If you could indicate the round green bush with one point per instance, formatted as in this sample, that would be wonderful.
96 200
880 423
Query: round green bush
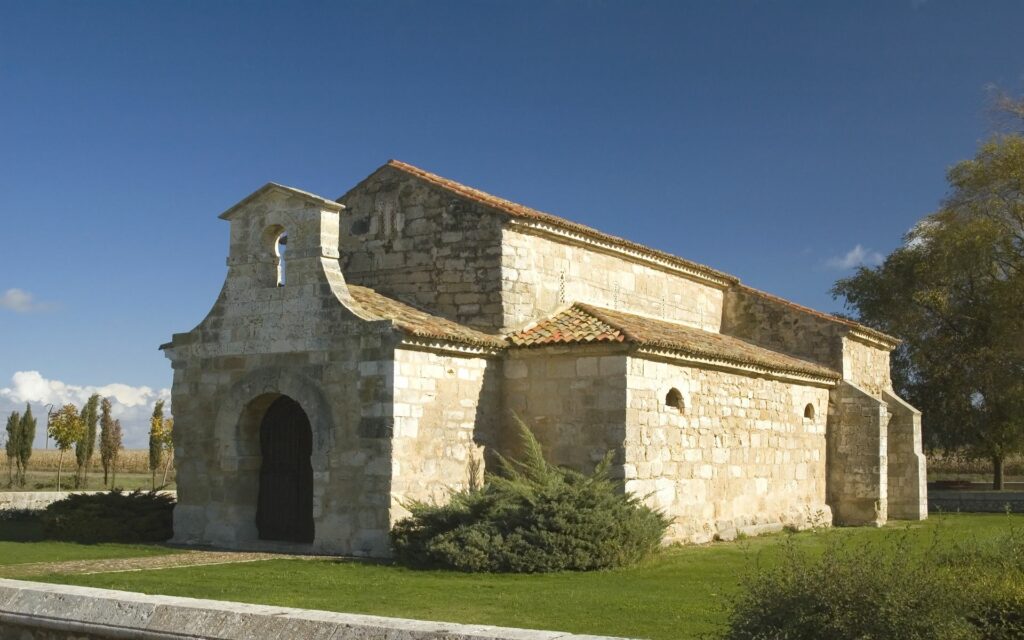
531 517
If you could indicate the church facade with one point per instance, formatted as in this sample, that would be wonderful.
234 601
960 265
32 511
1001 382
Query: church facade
372 350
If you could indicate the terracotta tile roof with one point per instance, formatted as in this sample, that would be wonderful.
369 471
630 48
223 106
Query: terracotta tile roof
520 211
582 323
420 323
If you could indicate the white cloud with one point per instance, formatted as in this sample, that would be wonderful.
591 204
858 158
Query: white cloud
21 301
131 405
856 257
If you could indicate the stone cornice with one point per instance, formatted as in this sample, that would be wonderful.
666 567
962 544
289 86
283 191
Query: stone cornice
736 367
449 347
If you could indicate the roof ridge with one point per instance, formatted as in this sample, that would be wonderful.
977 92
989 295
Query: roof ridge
516 210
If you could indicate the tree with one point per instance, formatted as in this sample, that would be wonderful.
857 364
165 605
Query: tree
116 444
27 435
156 439
87 442
954 293
66 428
13 444
108 445
168 446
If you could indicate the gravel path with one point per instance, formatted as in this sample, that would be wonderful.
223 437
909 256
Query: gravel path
186 559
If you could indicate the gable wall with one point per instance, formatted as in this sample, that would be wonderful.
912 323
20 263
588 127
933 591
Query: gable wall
422 245
540 275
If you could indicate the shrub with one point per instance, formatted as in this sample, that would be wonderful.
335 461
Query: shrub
887 589
531 517
853 591
110 517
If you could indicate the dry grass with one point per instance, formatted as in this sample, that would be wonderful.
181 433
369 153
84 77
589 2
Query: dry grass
129 461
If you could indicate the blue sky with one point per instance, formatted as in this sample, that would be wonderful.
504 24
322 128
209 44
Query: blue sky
767 139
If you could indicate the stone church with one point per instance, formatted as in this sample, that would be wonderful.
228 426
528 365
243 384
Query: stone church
371 350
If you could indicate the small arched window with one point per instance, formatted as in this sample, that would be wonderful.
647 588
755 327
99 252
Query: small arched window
674 400
809 411
280 248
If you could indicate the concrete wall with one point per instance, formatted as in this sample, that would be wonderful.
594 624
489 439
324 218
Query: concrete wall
739 456
539 275
37 611
418 243
446 411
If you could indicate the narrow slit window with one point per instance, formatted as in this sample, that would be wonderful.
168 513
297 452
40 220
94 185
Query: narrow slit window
281 248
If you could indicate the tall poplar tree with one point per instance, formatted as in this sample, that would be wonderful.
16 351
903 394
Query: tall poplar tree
27 436
108 446
13 444
156 440
86 444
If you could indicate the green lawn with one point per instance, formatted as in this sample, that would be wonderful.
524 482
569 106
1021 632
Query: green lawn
20 542
683 594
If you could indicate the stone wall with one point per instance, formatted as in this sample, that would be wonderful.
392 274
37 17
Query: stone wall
907 480
857 456
736 456
446 411
540 275
779 326
866 365
421 244
573 399
34 500
302 340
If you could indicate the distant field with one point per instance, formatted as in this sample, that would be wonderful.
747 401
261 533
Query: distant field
132 472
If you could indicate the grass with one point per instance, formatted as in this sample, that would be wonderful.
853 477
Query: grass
21 542
682 594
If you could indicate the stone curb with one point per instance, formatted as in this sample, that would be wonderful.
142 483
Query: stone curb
103 613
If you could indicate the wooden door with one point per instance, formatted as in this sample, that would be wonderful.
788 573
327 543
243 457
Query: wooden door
284 509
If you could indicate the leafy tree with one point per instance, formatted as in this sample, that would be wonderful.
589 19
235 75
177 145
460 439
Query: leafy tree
27 435
156 439
86 444
66 428
954 293
108 447
13 444
168 446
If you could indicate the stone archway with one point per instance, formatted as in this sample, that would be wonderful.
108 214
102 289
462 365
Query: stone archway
232 514
284 504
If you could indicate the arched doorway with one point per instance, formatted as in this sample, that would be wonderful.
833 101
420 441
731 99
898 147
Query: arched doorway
284 507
